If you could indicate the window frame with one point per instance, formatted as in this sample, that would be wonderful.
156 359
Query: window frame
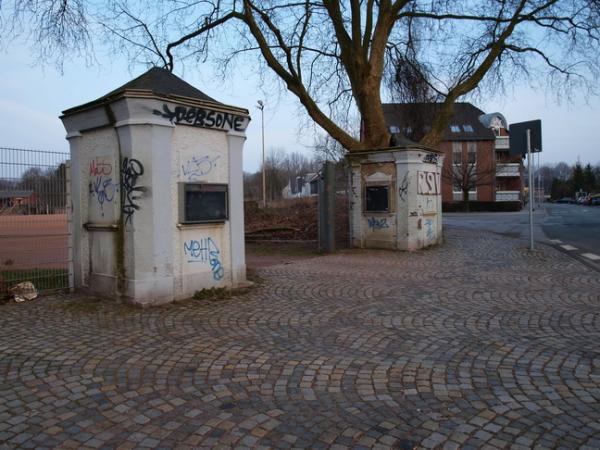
377 185
224 187
471 150
457 149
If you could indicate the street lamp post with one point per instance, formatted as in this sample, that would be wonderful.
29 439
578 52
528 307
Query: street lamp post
261 106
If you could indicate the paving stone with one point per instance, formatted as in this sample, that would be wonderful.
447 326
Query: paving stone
476 343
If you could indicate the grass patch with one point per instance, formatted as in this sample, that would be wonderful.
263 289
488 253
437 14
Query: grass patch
213 294
253 276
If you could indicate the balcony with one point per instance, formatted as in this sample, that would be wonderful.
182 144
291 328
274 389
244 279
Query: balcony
502 143
507 196
508 170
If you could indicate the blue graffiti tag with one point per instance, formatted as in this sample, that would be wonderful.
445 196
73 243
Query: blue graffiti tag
429 229
205 251
198 167
103 189
378 224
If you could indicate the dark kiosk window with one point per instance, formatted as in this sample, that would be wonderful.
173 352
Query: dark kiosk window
377 198
202 203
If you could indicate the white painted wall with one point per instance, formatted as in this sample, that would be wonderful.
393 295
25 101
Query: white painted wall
200 157
415 217
163 259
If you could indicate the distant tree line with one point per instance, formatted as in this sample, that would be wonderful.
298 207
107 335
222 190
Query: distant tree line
564 180
280 169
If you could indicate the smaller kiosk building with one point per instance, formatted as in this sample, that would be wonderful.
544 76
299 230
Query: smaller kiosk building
157 191
396 198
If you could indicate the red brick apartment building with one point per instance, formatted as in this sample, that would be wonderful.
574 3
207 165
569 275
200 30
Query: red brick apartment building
473 140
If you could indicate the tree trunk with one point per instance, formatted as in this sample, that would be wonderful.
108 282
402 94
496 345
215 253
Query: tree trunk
465 195
374 129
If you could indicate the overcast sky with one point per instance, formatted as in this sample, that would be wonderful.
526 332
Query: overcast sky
32 97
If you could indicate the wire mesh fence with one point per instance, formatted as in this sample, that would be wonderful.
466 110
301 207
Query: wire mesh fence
34 221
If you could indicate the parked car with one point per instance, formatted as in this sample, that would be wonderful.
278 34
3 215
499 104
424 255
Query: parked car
566 200
595 200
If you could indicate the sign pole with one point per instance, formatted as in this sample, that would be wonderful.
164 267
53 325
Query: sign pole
530 178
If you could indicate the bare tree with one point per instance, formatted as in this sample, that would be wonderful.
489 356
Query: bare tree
467 174
332 55
281 168
327 149
563 171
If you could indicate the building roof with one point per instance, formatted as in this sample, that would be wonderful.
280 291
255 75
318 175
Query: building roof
156 81
162 82
413 120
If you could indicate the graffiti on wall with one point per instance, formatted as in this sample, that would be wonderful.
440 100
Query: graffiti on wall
195 168
429 206
427 183
431 158
378 224
403 188
101 186
103 189
100 167
201 117
429 232
131 170
205 251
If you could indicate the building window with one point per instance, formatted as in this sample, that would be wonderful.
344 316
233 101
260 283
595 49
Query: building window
472 152
199 203
377 198
455 128
457 153
468 128
394 129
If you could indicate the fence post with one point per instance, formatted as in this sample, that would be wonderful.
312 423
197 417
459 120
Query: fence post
327 208
69 211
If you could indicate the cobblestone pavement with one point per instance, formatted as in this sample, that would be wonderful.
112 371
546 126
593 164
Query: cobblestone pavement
475 344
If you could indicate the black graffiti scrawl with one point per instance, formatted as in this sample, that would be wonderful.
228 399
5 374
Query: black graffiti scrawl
131 170
201 117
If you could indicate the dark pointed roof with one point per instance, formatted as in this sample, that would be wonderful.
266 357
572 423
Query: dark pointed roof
156 81
416 117
162 82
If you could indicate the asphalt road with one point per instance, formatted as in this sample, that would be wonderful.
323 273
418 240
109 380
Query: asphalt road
574 229
575 225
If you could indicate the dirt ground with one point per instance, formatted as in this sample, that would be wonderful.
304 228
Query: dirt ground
33 241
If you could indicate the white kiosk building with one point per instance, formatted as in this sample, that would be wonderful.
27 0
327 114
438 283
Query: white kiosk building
157 191
396 198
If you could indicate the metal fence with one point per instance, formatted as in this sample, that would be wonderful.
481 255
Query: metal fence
34 219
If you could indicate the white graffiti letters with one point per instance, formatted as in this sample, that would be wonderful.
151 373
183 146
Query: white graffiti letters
195 168
427 183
